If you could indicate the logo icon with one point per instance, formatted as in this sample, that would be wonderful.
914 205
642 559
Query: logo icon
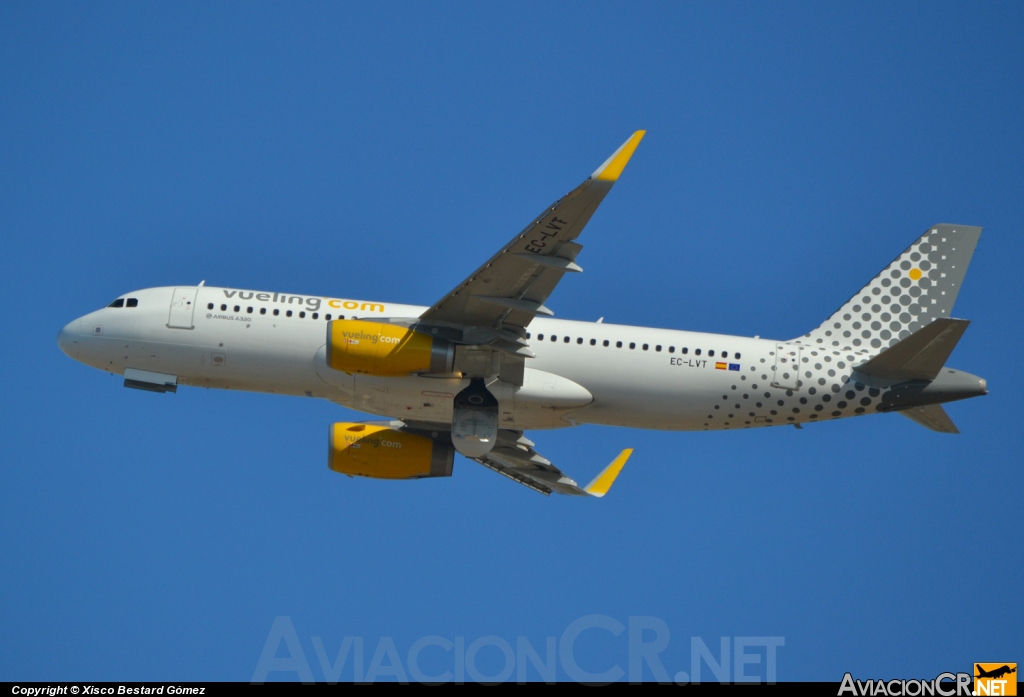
995 679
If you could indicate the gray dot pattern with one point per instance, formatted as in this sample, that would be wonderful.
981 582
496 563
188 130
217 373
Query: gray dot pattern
825 388
918 287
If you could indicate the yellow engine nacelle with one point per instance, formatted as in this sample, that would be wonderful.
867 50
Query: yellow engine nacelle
369 450
387 350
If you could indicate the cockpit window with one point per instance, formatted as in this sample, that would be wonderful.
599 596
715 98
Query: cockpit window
132 302
117 303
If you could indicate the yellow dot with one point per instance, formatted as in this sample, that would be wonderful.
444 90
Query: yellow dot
915 274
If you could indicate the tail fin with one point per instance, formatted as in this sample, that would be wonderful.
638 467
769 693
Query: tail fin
918 287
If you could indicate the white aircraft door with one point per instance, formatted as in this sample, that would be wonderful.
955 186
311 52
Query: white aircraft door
183 304
787 366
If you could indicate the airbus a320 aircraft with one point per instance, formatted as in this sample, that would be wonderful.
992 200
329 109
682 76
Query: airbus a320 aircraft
487 362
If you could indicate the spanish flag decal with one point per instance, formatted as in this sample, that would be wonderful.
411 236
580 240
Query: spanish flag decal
721 366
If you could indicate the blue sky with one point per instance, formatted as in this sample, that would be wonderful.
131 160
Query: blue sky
382 151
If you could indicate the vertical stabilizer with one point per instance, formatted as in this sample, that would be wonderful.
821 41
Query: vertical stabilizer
918 287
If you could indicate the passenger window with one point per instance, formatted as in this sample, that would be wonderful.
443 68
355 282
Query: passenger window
540 337
223 307
737 356
117 303
527 335
671 349
289 313
658 347
134 302
566 340
276 312
209 306
316 315
263 310
632 345
645 347
618 344
237 308
593 342
302 315
579 340
328 317
248 310
554 338
711 353
606 342
696 352
684 350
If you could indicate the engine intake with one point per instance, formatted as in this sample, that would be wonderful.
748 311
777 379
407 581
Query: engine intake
386 350
382 452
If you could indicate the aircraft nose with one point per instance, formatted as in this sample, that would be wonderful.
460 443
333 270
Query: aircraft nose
67 339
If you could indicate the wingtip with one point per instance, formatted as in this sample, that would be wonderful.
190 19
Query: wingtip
612 168
602 483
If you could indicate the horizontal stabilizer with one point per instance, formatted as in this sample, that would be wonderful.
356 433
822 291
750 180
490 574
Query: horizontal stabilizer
921 355
932 417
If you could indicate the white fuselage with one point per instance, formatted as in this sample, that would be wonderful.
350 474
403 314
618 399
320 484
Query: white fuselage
584 372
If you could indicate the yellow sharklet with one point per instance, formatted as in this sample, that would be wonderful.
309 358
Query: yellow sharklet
612 168
603 482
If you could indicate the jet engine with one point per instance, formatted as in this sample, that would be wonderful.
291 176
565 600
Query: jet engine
474 419
382 452
386 350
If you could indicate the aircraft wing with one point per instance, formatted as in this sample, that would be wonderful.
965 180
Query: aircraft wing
513 456
508 291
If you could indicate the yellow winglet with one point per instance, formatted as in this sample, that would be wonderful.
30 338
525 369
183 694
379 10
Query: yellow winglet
613 166
603 482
